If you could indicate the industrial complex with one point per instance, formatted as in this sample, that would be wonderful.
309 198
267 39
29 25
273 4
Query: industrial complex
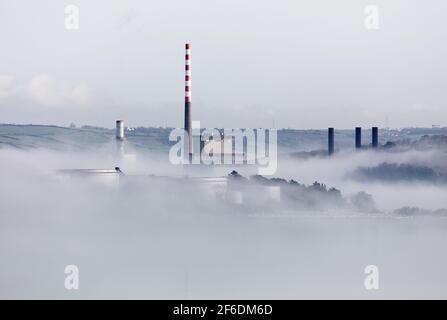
215 144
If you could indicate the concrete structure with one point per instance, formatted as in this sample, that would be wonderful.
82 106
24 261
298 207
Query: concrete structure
331 139
224 147
211 186
119 135
120 130
109 177
375 137
358 137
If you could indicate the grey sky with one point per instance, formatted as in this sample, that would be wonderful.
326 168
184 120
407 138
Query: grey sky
302 63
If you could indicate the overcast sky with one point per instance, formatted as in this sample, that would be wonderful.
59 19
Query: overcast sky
300 64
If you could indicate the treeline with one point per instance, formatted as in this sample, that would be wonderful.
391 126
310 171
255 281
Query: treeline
297 196
393 172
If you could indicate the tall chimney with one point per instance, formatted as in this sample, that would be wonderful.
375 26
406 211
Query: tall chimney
188 121
358 137
120 130
375 137
330 132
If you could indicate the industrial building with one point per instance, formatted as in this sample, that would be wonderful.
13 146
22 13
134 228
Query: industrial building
224 147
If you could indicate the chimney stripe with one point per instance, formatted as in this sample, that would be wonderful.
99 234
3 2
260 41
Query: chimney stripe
187 72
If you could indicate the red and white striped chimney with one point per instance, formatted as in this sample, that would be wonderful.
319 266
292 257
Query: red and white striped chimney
188 121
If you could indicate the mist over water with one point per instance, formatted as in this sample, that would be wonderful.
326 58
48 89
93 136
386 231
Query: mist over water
389 196
146 237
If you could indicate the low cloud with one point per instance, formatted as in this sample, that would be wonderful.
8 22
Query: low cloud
158 238
46 91
7 86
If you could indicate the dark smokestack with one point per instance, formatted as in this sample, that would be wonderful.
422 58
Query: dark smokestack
119 135
202 144
375 137
330 133
358 137
188 120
